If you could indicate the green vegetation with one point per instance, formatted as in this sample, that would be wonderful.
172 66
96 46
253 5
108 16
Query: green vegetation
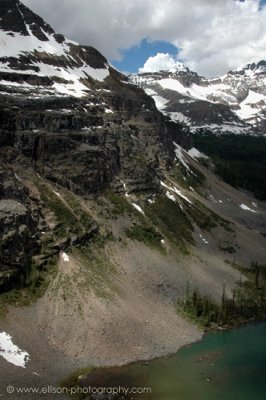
239 159
207 219
72 381
203 217
83 216
171 221
248 301
227 248
34 289
120 205
146 233
70 219
187 179
96 270
70 216
141 229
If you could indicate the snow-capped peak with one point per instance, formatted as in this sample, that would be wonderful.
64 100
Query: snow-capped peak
30 47
251 69
234 102
162 62
178 67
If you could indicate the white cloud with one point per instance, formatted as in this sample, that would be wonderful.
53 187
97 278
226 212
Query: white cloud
160 62
214 36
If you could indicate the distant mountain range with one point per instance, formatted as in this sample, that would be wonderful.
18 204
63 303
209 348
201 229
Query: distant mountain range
235 102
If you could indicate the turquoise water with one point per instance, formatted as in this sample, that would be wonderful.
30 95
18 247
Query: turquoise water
225 365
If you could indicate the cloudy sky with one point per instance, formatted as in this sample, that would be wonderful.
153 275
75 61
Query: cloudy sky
210 36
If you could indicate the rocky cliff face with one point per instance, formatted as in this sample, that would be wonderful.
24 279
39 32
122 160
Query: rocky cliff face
68 116
18 235
87 144
62 104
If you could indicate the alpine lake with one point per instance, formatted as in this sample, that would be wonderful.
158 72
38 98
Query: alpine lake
224 365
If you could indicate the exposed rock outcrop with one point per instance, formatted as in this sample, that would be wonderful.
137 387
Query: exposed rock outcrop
18 234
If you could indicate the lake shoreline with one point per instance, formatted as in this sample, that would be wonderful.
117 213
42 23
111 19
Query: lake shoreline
209 367
153 358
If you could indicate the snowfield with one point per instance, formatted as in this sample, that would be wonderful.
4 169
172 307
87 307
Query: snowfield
16 45
242 90
12 353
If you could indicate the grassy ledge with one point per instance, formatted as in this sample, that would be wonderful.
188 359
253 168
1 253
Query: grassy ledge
168 217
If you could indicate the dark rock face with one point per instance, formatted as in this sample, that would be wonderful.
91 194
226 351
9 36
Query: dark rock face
86 143
204 113
18 232
10 20
16 244
79 145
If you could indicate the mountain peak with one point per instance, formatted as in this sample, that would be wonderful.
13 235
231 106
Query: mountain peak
250 69
179 67
32 53
234 102
259 67
15 17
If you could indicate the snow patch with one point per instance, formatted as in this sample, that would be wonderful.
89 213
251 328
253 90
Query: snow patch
246 208
195 153
176 191
125 188
212 198
203 239
179 193
251 106
179 152
179 117
18 45
150 92
17 177
170 196
65 257
160 101
224 128
108 111
12 353
57 194
138 208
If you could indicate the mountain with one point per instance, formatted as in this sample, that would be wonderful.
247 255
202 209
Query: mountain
72 117
235 102
108 214
69 115
35 55
51 84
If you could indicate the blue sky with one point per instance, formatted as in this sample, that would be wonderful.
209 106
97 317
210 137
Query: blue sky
135 57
